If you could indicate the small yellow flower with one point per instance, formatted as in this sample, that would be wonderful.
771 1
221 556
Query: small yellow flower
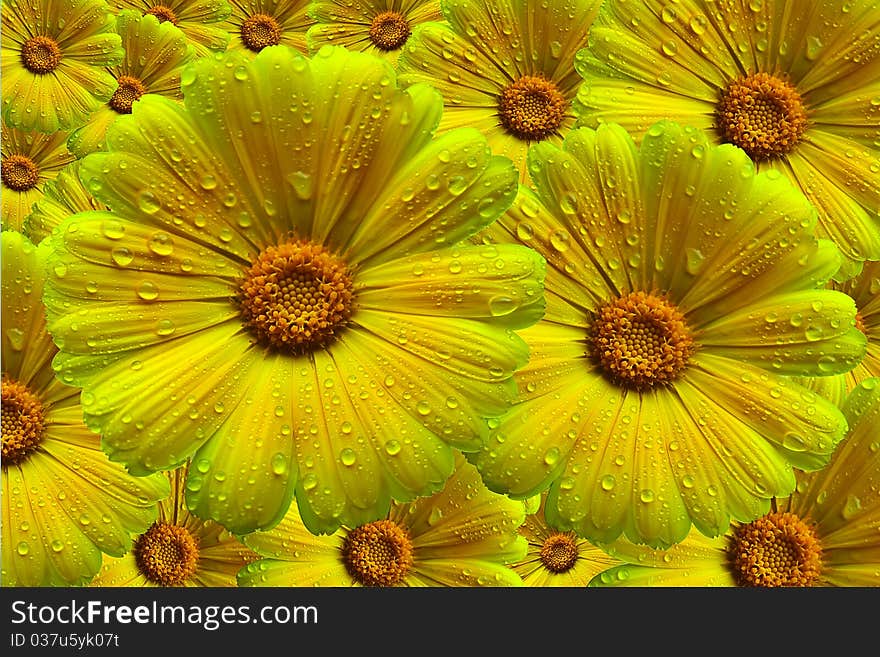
200 20
256 24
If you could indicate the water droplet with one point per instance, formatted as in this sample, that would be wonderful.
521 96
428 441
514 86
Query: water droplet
279 464
121 256
161 244
348 457
607 482
148 291
392 447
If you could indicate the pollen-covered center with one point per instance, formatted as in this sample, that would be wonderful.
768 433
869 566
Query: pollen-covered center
389 30
19 173
778 549
163 13
532 108
379 553
763 115
166 554
40 54
860 323
640 340
260 31
22 421
297 296
559 552
128 90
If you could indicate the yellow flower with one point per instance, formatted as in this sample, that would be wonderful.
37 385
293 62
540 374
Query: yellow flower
200 20
178 550
380 27
505 67
155 54
64 503
865 291
53 57
278 292
256 24
29 161
795 83
826 534
465 535
557 558
681 293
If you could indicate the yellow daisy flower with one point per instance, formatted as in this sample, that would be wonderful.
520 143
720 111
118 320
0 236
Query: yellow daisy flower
28 161
155 54
557 558
505 67
826 534
64 503
380 27
178 550
681 289
278 293
256 24
795 83
465 535
52 58
200 20
865 291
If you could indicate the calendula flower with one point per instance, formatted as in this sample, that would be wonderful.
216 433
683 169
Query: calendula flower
505 67
256 24
464 535
178 549
200 20
292 321
795 83
681 290
377 26
28 161
557 558
53 58
155 54
826 534
64 502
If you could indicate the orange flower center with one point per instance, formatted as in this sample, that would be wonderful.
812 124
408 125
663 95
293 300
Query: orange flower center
641 340
778 549
40 55
22 421
389 30
761 114
129 89
259 31
860 323
19 173
379 553
532 108
163 13
166 554
559 552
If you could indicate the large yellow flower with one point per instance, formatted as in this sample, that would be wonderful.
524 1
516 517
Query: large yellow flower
178 550
377 26
796 83
52 58
257 24
64 503
505 67
826 534
278 293
29 161
465 535
681 287
200 20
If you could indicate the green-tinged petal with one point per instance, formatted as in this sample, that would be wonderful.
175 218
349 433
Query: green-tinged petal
62 197
713 575
325 570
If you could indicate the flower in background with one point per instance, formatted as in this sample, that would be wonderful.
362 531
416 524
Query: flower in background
178 550
865 291
256 24
29 160
464 535
64 502
200 20
794 83
294 322
155 54
826 534
505 67
681 293
381 27
52 58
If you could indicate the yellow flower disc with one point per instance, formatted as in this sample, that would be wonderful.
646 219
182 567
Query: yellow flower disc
40 54
166 554
761 114
559 552
163 13
379 553
19 172
532 108
22 422
389 30
260 31
129 90
778 549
